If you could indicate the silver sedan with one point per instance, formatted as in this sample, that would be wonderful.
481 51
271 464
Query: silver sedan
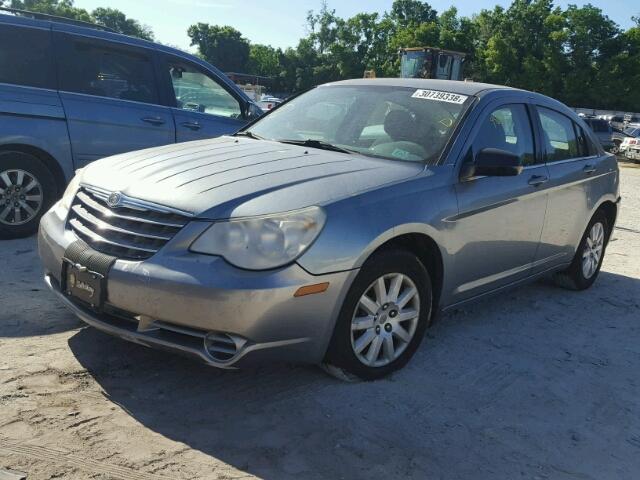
334 228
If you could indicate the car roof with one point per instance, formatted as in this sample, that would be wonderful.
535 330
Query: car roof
61 25
461 87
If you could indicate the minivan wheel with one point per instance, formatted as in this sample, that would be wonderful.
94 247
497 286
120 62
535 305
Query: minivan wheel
27 190
586 264
383 318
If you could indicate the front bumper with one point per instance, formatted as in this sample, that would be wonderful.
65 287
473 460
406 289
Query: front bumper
175 298
633 153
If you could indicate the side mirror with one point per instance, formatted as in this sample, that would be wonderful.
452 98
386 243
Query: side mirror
493 162
253 111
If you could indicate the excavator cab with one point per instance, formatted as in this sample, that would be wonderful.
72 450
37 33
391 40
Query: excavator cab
429 62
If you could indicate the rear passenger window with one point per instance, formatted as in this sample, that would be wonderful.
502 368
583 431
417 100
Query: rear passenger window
25 57
507 128
106 71
558 136
586 148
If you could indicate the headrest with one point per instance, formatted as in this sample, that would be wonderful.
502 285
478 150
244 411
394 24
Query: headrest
400 125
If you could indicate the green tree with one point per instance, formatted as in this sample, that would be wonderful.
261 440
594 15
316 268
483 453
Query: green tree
412 12
61 8
264 60
108 17
223 46
118 21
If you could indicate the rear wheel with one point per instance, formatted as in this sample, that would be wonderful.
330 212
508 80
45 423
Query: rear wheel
586 264
383 318
27 190
615 149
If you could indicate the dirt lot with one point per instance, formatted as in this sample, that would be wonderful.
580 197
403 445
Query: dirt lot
540 383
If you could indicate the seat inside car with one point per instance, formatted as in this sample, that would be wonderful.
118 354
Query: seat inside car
492 135
405 134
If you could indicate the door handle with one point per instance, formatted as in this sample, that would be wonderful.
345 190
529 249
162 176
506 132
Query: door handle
192 125
589 169
537 180
153 120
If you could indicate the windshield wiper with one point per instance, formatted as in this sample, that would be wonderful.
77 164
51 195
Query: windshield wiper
249 134
316 144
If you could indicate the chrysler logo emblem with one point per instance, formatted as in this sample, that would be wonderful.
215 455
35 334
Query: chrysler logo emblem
114 199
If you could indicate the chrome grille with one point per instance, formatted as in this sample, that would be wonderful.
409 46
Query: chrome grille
134 230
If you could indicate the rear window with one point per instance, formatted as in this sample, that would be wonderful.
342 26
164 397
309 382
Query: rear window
105 70
25 57
585 145
599 126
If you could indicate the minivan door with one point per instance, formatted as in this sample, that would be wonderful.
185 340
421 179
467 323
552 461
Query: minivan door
110 96
500 218
204 107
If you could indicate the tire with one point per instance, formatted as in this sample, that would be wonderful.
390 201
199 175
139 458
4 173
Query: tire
406 273
615 149
17 172
575 277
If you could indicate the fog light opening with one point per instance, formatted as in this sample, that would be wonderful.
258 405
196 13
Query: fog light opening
222 346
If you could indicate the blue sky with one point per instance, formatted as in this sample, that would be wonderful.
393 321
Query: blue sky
281 23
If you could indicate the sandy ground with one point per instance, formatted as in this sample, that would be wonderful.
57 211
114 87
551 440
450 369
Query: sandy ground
541 383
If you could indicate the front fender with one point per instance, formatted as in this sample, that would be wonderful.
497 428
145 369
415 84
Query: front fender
358 225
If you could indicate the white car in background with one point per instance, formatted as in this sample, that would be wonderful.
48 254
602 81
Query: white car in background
268 103
632 137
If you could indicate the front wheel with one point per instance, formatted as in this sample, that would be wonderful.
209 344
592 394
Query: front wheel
383 317
587 261
27 190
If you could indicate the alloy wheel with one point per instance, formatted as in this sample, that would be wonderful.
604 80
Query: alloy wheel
592 252
21 197
385 320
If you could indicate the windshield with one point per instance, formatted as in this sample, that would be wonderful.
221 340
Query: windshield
396 123
633 132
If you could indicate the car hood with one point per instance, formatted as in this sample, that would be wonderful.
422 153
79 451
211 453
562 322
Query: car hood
236 177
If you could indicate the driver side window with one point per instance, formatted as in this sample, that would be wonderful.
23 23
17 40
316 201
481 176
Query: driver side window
197 92
507 128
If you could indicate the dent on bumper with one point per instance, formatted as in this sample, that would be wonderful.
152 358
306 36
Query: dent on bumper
184 296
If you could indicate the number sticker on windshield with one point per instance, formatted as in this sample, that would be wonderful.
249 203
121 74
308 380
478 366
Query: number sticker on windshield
440 96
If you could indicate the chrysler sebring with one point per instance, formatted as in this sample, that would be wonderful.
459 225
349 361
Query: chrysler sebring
333 229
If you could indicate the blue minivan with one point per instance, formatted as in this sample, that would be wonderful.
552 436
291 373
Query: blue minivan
71 94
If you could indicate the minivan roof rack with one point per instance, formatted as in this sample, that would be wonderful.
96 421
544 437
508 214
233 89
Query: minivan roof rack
56 18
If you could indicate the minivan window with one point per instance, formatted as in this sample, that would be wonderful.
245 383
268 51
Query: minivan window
106 71
558 135
598 126
25 57
585 145
507 128
198 92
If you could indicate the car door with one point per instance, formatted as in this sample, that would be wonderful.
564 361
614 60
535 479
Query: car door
202 105
500 218
110 96
573 163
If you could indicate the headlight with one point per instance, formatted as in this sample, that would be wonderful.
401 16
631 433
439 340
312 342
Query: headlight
262 243
71 190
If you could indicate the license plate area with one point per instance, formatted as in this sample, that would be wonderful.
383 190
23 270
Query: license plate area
82 284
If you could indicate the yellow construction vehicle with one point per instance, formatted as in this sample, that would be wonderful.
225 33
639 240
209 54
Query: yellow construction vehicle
430 62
